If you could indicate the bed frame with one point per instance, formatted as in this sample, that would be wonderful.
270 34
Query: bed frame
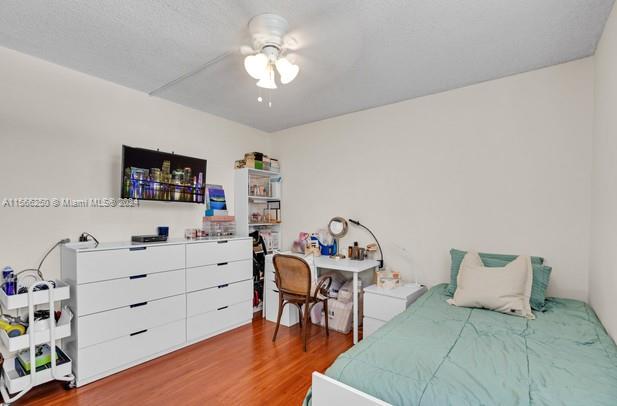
328 392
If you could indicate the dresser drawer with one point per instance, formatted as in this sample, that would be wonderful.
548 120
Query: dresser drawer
382 307
215 252
128 349
370 325
210 276
112 264
207 300
107 295
207 324
100 327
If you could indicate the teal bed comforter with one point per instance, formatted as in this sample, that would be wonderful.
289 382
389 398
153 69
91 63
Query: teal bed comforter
437 354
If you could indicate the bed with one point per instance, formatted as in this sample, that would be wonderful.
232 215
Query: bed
437 354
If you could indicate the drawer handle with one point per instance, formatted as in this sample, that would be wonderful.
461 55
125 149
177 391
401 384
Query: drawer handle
222 263
138 276
138 304
138 249
222 308
222 242
223 286
138 332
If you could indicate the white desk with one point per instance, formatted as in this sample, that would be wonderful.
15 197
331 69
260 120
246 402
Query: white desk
347 265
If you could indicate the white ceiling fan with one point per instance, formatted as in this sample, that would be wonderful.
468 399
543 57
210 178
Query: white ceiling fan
267 53
265 57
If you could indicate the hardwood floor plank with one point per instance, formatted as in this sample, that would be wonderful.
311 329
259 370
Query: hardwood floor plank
240 367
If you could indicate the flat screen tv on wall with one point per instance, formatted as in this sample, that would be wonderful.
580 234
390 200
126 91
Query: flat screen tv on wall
156 175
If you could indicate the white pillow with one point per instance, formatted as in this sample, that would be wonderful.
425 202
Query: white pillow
506 290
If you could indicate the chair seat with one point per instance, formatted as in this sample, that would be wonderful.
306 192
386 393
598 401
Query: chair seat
300 299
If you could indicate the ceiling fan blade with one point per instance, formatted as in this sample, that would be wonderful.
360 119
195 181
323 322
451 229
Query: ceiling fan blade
290 43
247 50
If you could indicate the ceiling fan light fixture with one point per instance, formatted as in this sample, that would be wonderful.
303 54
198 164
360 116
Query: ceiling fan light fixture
267 81
256 65
287 70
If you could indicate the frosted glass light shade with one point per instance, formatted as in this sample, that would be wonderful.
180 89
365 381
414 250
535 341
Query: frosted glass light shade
267 80
256 65
287 70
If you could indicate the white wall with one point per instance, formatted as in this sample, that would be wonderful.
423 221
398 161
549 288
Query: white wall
603 273
61 134
502 166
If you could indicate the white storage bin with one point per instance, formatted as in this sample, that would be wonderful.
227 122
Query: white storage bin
61 292
340 316
22 342
15 383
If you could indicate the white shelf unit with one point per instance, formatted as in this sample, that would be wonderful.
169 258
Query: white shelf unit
12 385
247 202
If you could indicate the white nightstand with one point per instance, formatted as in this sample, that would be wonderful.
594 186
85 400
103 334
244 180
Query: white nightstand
380 305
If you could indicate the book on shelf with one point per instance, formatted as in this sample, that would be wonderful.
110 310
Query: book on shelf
215 197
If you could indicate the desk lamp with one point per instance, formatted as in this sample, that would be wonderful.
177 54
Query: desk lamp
357 223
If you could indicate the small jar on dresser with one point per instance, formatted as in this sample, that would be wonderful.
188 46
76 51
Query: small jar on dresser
381 305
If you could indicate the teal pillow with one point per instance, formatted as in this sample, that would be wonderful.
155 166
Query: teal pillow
541 273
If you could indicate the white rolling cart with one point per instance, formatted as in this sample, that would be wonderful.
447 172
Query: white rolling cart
13 386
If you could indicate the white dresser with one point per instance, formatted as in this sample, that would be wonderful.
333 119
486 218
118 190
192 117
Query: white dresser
381 305
135 302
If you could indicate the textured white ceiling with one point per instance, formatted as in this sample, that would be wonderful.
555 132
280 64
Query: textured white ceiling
353 54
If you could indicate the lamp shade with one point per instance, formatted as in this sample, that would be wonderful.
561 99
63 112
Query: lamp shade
256 65
267 80
287 70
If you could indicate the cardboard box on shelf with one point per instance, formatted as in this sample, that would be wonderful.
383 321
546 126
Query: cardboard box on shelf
258 156
258 160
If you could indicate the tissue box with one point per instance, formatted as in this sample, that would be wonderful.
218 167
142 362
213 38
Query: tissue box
388 279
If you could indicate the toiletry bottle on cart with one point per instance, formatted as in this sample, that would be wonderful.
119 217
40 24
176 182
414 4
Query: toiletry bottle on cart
9 281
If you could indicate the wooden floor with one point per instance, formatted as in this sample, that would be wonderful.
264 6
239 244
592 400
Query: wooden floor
240 367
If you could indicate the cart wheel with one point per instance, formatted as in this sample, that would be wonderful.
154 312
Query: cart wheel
70 385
